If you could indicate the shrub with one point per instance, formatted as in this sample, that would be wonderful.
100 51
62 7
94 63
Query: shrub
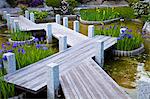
126 41
141 8
20 36
40 15
53 3
72 5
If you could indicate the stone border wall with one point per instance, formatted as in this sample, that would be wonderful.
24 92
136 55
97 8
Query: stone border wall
98 22
129 53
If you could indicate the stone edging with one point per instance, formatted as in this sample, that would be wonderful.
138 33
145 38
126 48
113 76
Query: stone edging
3 25
11 41
98 22
129 53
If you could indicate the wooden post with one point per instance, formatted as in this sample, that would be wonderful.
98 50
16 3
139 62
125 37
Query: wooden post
76 26
58 19
9 62
8 20
4 14
16 25
11 24
52 80
32 17
49 33
91 31
65 21
27 14
99 57
62 43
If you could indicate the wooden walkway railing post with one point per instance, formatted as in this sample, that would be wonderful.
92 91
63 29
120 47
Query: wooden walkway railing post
62 43
4 14
58 19
27 14
32 17
8 20
11 24
52 80
99 55
91 31
65 22
9 62
76 26
49 33
16 25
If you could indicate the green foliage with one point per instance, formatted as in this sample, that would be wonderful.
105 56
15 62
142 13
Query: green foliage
101 14
53 3
21 36
125 43
6 90
12 3
141 8
22 7
40 15
72 5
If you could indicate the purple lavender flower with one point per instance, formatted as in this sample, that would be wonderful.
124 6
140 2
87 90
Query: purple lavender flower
130 36
8 43
107 28
119 38
3 46
10 51
19 50
14 45
36 40
4 58
38 46
1 51
129 30
45 48
23 51
1 65
42 38
110 27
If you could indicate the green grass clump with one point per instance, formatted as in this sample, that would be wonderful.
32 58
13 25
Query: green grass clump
21 36
40 15
101 14
126 42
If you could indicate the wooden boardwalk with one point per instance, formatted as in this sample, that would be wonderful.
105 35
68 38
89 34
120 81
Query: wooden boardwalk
58 30
80 76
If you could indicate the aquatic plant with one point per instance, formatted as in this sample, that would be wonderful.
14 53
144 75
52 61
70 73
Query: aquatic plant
28 53
127 41
21 36
101 14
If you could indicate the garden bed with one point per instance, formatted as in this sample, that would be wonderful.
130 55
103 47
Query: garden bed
31 40
137 51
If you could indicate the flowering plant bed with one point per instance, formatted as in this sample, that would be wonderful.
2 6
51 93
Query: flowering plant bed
127 41
30 40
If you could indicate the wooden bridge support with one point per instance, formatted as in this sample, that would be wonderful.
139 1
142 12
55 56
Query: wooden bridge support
65 22
4 14
58 19
76 26
53 80
62 43
9 62
32 17
91 31
8 20
27 14
99 55
15 25
11 24
49 33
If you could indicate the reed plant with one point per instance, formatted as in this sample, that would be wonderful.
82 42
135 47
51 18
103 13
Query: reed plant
21 36
126 42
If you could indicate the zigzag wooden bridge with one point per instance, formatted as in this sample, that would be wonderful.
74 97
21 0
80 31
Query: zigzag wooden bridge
73 68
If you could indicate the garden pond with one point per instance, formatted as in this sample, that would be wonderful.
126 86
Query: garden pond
121 69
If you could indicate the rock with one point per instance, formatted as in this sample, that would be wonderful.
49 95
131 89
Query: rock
3 4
